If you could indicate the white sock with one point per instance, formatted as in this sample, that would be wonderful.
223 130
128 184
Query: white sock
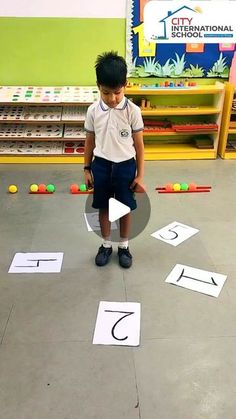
123 244
106 242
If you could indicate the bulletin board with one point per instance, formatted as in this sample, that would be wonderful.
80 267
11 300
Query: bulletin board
188 60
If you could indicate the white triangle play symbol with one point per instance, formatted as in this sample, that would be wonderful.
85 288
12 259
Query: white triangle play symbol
116 209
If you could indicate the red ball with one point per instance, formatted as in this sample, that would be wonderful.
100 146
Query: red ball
42 187
192 187
169 187
74 188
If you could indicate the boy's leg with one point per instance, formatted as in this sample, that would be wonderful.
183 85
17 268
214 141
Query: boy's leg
125 258
125 225
105 224
105 250
102 190
123 177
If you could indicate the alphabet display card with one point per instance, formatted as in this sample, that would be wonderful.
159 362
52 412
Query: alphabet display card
117 324
195 279
36 262
174 233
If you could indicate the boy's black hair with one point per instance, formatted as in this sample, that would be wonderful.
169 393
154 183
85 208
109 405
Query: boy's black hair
111 70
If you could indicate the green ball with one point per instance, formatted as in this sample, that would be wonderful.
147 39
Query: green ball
183 186
50 187
82 187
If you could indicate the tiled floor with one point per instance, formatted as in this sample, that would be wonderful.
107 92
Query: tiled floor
185 366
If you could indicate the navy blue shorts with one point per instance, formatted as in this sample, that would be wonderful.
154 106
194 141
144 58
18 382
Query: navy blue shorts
113 180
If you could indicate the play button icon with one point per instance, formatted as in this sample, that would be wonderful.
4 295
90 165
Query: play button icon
116 210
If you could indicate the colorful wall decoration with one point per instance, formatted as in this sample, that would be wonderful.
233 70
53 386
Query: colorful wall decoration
147 59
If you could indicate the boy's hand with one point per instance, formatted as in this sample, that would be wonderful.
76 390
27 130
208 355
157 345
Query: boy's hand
137 185
88 179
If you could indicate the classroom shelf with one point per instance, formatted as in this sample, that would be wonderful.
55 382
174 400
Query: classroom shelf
186 105
176 151
227 140
198 104
201 110
43 124
198 90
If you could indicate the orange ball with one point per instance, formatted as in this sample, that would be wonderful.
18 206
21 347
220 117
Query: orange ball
192 187
42 187
169 187
74 188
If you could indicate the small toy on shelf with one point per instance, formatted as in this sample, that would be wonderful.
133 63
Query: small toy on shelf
183 84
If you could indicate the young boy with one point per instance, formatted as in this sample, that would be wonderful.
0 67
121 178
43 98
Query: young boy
114 137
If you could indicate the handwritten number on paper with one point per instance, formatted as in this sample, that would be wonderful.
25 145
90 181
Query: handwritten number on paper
172 230
35 260
126 314
196 279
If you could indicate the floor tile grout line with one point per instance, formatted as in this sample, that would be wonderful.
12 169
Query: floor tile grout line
135 374
4 332
136 385
123 279
189 337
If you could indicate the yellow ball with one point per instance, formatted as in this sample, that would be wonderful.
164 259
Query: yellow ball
12 189
176 187
34 187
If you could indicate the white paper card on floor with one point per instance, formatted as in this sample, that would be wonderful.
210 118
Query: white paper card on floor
92 222
174 233
206 282
117 324
36 263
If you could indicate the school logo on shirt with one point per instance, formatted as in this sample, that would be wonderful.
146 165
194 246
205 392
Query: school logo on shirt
124 133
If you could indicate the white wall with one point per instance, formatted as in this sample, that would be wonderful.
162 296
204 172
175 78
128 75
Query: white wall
64 8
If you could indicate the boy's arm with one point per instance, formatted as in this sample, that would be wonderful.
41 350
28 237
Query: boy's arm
89 147
88 155
139 148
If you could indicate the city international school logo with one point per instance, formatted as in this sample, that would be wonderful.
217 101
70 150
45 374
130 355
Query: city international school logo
124 133
171 22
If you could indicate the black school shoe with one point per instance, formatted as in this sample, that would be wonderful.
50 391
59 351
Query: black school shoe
103 255
125 258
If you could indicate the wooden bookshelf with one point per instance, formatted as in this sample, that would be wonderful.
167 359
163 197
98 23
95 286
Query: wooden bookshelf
227 140
46 119
202 103
199 103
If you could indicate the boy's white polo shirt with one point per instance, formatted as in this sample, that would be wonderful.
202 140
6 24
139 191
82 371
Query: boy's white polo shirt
113 128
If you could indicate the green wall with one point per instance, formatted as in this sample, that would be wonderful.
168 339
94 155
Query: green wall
55 51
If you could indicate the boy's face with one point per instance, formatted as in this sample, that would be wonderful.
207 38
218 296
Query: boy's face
112 97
